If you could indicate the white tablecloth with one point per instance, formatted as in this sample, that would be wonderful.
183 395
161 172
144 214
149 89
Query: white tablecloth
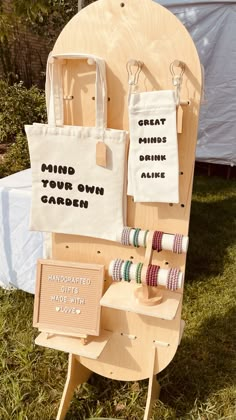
20 248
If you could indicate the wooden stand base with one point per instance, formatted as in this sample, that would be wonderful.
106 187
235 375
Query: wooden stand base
153 386
78 374
147 295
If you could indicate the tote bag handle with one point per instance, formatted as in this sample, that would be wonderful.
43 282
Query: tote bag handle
54 88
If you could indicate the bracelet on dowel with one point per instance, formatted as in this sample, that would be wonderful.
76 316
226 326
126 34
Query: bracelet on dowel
151 275
137 237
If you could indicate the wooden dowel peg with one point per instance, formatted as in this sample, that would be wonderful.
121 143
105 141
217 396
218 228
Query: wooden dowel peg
185 102
179 119
149 250
147 295
162 275
167 240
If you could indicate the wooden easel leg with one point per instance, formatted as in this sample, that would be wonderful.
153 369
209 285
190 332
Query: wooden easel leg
76 375
153 387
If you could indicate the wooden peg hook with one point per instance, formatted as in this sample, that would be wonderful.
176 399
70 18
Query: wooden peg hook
148 295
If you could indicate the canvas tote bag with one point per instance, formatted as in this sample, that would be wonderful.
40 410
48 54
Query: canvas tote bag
70 192
153 166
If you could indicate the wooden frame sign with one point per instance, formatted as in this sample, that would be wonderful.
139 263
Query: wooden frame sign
67 297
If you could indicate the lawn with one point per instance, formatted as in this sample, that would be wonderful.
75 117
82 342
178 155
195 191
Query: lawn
200 382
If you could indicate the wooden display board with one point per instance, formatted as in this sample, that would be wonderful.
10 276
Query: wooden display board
120 31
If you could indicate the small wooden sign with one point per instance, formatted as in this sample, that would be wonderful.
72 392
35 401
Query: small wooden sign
67 297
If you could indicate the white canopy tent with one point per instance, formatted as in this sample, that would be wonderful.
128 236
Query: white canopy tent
212 25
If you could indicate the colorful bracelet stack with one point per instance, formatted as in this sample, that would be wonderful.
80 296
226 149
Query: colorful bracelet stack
178 243
137 237
172 280
125 235
116 272
152 275
155 276
156 241
134 238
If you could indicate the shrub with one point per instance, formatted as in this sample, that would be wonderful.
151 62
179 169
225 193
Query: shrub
16 158
19 106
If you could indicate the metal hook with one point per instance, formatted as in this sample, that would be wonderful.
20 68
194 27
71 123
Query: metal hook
133 77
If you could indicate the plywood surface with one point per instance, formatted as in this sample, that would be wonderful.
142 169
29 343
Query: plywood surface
122 296
145 31
74 345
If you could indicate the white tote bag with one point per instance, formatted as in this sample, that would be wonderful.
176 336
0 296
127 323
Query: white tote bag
71 193
153 167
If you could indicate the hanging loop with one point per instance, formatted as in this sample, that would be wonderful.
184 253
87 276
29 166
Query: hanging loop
180 64
134 68
177 78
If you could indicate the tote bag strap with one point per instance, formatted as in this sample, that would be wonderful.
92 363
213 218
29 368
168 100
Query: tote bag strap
54 88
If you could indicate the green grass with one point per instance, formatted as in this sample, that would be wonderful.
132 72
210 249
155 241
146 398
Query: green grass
199 383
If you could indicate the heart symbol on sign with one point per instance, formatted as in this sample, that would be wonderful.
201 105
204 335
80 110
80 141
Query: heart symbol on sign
57 308
78 311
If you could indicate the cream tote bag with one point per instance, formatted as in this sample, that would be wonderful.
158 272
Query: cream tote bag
71 193
153 167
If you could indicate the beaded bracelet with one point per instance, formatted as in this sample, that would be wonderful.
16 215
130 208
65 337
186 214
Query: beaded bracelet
154 279
148 274
172 279
153 275
126 270
135 238
159 241
116 272
159 236
138 273
125 235
178 242
156 241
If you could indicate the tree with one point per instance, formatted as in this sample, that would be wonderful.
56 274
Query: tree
45 18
